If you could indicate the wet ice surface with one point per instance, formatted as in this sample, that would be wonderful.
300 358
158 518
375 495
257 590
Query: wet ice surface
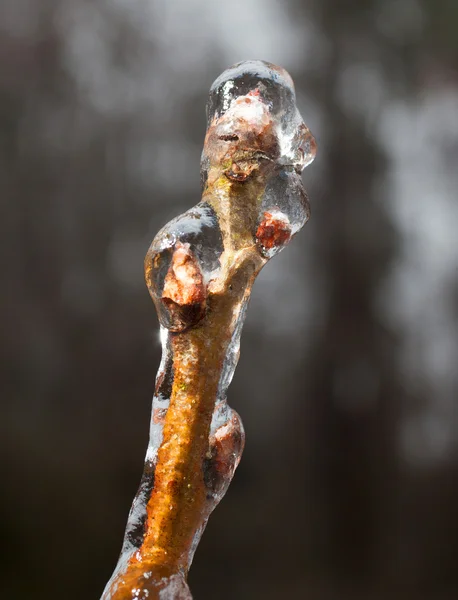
205 261
276 90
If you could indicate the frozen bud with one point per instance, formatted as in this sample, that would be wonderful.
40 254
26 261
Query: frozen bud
252 106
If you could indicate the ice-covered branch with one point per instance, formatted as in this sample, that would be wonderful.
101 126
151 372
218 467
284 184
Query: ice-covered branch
200 270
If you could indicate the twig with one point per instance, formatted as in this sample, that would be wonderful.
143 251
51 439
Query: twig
200 270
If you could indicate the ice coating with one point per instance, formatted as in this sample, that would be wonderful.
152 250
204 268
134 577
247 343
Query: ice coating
199 271
274 87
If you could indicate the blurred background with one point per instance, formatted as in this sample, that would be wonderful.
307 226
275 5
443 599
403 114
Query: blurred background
348 378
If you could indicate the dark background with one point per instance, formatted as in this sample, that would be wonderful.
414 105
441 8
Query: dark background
348 378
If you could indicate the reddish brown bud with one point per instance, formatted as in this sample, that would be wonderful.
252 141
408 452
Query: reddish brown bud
273 231
184 283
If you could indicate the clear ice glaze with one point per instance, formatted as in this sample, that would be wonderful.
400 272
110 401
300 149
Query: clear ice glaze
199 270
